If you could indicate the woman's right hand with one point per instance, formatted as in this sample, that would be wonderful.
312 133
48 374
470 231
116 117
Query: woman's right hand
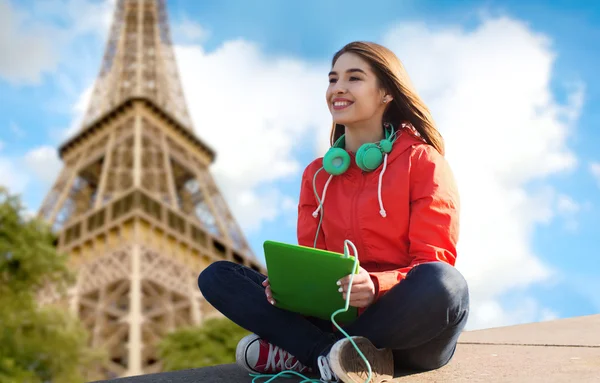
268 292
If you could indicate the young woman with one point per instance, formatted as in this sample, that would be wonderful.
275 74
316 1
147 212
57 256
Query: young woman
387 188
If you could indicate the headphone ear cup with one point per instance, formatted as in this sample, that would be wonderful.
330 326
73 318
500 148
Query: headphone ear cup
336 161
369 157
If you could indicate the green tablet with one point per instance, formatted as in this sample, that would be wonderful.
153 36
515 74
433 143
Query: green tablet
303 280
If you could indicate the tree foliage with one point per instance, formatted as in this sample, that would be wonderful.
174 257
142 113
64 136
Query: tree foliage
37 344
212 343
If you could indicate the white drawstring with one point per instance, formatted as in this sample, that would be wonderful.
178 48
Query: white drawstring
382 211
316 212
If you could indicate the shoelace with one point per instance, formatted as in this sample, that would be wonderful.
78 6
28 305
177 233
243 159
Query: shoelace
284 358
327 374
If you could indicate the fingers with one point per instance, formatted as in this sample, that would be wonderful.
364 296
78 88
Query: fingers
359 299
356 288
357 296
361 294
362 276
358 282
345 281
268 291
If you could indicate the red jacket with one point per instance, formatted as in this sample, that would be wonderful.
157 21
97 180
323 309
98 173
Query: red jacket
421 203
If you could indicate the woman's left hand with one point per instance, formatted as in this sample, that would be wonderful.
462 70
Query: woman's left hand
363 289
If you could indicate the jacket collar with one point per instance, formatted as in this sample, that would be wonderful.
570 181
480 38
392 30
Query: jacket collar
407 138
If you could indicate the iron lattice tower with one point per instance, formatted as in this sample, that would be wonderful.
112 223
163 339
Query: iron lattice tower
135 205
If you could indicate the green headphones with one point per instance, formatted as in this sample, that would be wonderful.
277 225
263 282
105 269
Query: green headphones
368 157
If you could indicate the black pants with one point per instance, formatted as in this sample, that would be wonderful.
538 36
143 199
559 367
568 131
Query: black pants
420 319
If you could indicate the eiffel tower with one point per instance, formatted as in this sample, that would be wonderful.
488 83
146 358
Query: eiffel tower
135 206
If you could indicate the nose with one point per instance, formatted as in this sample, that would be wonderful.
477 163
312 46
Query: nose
335 89
338 88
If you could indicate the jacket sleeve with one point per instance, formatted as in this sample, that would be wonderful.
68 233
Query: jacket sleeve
434 216
307 224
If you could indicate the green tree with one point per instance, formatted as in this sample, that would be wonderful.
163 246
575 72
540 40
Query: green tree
37 344
212 343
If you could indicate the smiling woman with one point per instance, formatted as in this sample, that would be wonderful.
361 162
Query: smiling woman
412 302
374 86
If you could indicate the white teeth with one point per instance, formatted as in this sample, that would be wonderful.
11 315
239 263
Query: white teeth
341 103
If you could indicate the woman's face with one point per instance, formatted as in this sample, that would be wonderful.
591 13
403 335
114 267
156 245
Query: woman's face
354 95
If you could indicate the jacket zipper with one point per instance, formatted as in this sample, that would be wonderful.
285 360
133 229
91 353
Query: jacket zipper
355 225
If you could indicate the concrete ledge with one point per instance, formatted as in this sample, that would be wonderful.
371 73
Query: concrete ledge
218 374
556 351
472 363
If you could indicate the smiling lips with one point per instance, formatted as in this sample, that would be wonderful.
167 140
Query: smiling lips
339 103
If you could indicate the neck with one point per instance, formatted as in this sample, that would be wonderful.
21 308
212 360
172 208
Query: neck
357 135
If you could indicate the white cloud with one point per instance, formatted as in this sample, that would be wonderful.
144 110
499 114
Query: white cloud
78 110
78 16
189 31
568 209
253 110
527 310
40 40
551 205
38 166
260 207
289 204
26 46
595 170
566 205
44 163
489 90
11 177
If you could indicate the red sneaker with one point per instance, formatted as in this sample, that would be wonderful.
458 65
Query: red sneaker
261 357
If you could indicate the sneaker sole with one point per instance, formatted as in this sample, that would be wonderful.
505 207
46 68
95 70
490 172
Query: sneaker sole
240 351
352 368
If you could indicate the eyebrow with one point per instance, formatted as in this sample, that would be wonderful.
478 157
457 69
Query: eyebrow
350 71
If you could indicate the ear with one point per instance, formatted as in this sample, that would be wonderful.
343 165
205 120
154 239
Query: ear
386 95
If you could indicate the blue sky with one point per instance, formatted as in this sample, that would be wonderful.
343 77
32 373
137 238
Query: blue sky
547 269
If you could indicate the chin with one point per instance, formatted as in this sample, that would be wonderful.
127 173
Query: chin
344 120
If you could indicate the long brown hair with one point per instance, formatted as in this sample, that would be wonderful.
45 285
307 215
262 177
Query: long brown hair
406 105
